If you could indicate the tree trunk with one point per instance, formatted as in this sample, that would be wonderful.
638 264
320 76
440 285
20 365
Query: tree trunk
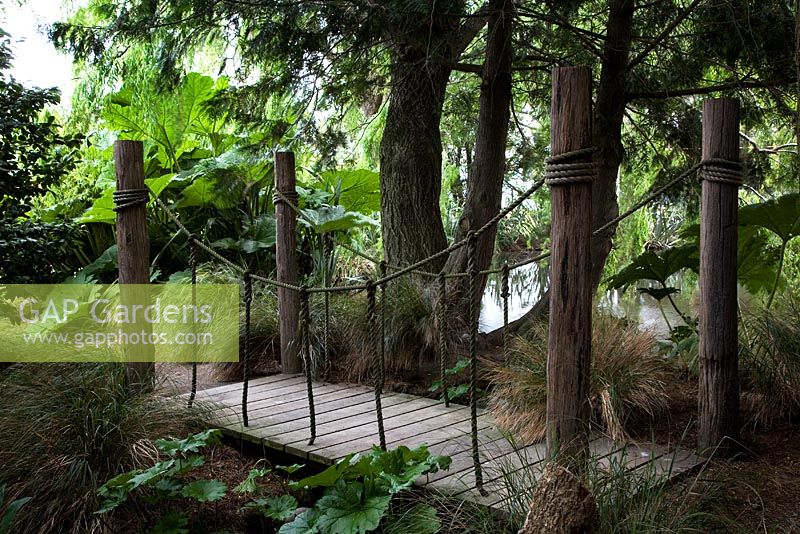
609 112
411 148
411 162
607 128
485 187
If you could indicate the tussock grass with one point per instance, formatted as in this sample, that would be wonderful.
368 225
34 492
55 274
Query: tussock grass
770 362
627 380
642 501
67 428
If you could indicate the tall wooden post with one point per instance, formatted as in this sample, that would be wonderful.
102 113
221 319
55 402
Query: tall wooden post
569 349
133 245
719 375
286 258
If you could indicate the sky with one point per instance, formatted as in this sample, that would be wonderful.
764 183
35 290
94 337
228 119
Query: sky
36 61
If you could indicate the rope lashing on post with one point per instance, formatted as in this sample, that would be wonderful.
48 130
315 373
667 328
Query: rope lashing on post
129 198
721 171
248 301
193 266
504 296
305 340
562 170
441 318
473 358
372 319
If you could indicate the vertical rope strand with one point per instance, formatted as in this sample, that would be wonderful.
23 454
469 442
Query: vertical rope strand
504 296
372 319
382 369
441 308
305 339
248 301
473 358
326 255
193 266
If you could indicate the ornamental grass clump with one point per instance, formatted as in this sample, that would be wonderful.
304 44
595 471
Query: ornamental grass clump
770 361
627 380
68 429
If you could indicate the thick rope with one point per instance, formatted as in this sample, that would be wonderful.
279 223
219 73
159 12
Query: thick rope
372 320
441 306
721 171
193 266
473 359
504 296
383 327
129 198
305 339
248 301
327 296
561 170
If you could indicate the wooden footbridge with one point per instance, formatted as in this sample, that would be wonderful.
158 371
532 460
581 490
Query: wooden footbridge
323 422
346 422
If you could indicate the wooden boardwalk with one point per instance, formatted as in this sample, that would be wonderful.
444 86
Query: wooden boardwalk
346 422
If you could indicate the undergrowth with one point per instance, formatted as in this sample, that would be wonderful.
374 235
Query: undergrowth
75 426
627 380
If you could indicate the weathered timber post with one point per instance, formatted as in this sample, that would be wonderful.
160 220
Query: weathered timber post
286 259
718 403
133 245
569 348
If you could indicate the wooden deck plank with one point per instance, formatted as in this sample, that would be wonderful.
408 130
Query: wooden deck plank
237 386
346 422
298 400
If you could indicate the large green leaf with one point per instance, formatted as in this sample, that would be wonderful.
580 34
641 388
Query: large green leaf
757 262
327 219
101 210
355 190
780 216
305 523
277 508
657 266
205 490
346 510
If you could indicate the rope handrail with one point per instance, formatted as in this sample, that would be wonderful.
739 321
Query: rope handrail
716 167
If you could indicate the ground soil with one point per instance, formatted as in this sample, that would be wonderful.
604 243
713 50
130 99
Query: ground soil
759 488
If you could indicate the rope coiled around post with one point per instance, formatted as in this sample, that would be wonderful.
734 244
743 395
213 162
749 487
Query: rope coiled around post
560 169
305 340
129 198
248 301
721 171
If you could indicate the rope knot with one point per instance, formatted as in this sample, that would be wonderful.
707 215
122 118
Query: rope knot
129 198
290 197
721 171
561 169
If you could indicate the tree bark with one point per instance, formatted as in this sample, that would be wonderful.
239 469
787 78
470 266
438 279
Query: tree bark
411 161
133 249
607 128
570 332
411 147
485 187
286 261
718 396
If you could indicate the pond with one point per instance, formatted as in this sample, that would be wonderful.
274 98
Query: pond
527 285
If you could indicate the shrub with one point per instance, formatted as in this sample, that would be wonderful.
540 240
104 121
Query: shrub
627 380
770 361
69 428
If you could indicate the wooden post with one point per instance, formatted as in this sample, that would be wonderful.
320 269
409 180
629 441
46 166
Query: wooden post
286 259
718 403
570 333
133 245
